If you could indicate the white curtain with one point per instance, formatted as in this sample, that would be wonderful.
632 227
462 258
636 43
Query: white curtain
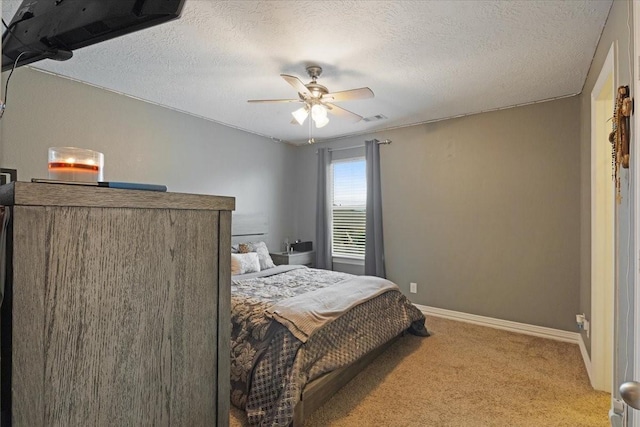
374 245
323 212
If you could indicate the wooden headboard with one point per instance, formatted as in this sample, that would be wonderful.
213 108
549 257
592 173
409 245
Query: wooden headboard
249 227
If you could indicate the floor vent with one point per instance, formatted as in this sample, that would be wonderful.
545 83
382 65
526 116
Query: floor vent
374 118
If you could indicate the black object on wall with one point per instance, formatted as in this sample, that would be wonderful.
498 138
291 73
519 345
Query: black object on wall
53 29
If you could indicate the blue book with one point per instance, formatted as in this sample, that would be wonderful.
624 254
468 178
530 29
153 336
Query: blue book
109 184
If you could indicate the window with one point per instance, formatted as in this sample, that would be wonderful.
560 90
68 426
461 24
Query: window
349 207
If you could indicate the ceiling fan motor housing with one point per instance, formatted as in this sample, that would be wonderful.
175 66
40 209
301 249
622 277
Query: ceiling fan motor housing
317 90
314 71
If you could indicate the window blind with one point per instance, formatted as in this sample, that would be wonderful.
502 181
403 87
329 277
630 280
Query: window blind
349 208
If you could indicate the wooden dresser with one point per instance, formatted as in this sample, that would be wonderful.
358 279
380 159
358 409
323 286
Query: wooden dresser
116 307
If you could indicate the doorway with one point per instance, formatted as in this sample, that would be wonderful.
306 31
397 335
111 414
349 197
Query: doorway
602 227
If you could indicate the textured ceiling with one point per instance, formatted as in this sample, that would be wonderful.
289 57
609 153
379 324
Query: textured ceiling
424 60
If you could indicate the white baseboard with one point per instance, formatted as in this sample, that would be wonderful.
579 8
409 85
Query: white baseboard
585 357
507 325
522 328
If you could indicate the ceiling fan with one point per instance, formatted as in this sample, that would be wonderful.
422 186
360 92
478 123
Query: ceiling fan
318 100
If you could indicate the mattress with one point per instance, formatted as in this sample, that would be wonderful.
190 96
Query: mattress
272 361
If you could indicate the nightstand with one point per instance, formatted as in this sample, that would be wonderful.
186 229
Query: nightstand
296 258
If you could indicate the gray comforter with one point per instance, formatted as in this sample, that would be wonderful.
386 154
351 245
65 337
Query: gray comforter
270 366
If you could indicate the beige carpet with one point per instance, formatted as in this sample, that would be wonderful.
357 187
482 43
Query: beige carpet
467 375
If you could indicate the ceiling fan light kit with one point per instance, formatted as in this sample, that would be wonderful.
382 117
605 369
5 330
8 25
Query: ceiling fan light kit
321 122
318 111
300 115
319 115
318 100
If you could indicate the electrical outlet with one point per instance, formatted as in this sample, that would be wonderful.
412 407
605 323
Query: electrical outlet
413 287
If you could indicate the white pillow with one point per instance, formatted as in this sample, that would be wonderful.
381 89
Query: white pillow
244 263
263 255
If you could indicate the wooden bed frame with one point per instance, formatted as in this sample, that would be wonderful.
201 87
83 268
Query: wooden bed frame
318 391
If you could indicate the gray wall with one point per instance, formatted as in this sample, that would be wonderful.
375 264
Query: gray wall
615 30
456 190
143 142
481 211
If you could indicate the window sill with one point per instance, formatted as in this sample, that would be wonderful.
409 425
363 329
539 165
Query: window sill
347 260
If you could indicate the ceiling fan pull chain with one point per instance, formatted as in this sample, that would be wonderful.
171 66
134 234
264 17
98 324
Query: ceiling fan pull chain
311 140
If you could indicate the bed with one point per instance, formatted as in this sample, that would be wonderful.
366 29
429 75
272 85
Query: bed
299 334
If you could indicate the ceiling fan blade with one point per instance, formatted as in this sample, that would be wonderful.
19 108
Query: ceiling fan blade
341 112
297 84
349 95
274 100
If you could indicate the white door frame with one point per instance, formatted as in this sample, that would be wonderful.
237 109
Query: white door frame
635 188
602 235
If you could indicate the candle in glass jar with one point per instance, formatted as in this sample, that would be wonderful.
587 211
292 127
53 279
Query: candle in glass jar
75 164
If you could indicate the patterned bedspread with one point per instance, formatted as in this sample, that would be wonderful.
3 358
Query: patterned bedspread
269 366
